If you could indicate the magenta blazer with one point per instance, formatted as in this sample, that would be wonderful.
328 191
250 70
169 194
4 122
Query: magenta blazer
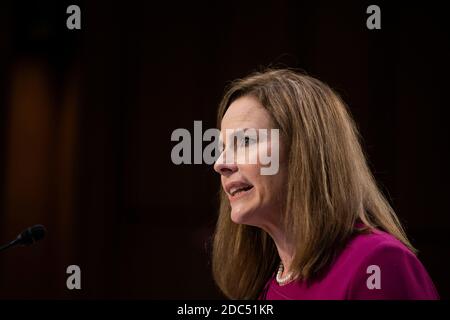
371 266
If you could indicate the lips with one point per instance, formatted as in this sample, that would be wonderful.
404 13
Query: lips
237 189
234 191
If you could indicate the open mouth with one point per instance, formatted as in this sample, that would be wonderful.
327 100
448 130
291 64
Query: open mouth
240 190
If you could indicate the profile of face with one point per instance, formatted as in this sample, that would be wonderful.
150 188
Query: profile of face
255 198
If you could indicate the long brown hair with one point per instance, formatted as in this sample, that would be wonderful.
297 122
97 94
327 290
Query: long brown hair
329 187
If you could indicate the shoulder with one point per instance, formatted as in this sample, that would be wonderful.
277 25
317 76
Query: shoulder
384 268
375 242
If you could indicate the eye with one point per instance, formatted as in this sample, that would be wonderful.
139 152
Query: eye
246 141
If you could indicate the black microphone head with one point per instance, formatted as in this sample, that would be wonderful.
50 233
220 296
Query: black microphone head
31 235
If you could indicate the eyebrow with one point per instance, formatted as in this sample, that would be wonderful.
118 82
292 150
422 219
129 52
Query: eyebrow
237 131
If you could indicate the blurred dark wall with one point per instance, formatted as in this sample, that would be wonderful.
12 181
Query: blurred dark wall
87 116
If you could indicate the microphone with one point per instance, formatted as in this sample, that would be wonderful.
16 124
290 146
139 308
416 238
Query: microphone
27 237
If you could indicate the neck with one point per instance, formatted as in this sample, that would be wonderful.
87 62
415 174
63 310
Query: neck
285 246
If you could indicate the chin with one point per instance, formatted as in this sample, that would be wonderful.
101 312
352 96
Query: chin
237 218
242 216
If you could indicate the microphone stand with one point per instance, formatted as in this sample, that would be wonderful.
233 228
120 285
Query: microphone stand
8 245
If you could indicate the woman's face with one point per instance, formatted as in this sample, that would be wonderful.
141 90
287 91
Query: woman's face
255 199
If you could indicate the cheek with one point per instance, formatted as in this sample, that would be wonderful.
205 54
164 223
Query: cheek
266 188
272 188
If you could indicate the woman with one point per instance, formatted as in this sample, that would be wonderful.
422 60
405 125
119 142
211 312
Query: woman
317 229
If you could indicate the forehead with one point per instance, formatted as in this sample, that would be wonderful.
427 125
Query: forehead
246 112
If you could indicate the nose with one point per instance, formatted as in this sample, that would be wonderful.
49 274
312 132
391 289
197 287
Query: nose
225 169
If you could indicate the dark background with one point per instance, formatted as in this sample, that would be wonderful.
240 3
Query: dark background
86 118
